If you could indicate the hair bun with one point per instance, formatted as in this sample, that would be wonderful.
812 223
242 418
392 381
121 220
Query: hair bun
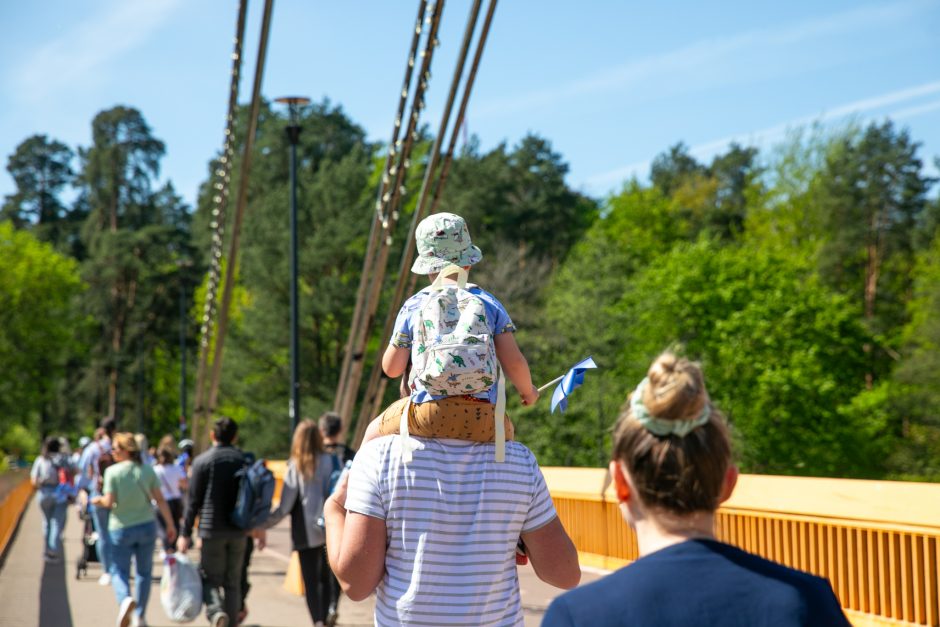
676 389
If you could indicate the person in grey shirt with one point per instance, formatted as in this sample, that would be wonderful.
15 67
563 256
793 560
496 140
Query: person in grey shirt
306 486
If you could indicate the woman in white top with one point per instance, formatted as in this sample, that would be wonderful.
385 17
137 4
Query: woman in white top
173 484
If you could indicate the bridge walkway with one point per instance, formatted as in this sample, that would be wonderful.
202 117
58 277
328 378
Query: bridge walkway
49 595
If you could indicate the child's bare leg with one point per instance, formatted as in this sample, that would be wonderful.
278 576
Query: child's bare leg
373 430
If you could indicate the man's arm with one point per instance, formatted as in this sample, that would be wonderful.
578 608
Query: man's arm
355 544
553 556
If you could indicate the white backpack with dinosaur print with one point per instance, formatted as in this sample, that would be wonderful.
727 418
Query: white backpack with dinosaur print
453 352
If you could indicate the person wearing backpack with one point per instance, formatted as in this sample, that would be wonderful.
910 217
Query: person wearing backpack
459 339
94 461
306 486
213 494
47 475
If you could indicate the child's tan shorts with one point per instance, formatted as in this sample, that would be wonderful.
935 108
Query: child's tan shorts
457 417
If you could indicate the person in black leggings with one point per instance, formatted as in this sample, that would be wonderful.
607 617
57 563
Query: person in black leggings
306 486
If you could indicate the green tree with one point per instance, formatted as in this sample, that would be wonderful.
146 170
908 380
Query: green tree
780 350
873 194
135 236
519 200
39 327
42 170
710 199
915 389
335 197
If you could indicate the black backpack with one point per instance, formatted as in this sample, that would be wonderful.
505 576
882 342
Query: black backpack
255 493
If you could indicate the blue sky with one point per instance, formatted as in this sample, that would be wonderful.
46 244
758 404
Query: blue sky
610 83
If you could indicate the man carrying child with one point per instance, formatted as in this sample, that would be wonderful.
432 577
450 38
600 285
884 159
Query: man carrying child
436 536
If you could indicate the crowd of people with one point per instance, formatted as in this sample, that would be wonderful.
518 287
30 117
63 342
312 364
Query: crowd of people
134 496
442 503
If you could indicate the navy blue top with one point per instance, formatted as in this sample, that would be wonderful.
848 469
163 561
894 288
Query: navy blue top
700 582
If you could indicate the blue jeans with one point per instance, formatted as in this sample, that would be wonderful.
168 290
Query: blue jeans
137 541
53 518
99 517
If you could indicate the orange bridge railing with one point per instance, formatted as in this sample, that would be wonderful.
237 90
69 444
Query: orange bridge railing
876 541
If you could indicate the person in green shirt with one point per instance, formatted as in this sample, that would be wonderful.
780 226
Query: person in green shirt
129 487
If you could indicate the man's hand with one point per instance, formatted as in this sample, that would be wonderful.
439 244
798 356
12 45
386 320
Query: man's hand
261 538
531 397
182 543
170 532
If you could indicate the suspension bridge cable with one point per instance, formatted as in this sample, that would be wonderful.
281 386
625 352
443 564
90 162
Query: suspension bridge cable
219 204
391 199
376 385
461 114
231 261
458 123
378 224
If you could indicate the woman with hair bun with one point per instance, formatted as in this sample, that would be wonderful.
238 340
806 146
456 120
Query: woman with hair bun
671 469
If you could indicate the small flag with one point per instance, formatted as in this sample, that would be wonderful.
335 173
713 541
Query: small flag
572 380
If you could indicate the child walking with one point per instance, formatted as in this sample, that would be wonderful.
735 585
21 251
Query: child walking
459 339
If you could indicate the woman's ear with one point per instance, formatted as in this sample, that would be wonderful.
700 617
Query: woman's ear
727 486
621 486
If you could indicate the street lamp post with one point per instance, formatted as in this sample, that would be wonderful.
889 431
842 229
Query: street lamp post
294 103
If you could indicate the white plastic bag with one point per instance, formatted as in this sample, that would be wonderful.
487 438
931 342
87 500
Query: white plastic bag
180 588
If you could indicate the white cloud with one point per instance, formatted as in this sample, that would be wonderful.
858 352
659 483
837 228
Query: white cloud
606 180
687 67
910 112
80 57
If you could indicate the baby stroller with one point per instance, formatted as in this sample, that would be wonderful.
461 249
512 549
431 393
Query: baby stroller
89 552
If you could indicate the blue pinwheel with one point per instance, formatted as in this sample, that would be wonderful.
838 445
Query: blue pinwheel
569 382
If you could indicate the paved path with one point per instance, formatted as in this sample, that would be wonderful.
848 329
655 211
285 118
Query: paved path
33 593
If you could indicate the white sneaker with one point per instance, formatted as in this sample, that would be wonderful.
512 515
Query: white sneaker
104 580
219 619
124 614
138 621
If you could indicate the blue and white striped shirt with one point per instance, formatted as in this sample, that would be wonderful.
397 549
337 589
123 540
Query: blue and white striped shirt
453 517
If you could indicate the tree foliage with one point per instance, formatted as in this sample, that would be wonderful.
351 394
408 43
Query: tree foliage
805 279
39 326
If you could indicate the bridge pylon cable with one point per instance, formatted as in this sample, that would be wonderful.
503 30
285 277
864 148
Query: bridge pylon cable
223 174
376 385
231 260
390 201
353 350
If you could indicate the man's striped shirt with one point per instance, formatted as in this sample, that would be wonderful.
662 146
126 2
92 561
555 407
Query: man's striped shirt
453 517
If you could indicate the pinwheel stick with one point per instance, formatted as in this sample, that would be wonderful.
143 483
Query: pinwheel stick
551 383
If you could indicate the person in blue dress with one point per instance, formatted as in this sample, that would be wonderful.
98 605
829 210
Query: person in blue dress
671 468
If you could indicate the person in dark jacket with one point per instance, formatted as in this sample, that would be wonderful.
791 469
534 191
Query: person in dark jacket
306 486
672 467
213 491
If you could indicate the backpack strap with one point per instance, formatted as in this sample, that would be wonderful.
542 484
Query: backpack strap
450 270
499 414
407 443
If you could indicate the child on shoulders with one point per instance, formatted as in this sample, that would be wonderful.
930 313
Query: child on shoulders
453 388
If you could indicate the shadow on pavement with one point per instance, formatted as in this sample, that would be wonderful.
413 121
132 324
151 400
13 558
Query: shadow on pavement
54 609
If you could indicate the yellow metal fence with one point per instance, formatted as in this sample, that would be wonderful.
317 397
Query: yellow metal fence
876 541
11 508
